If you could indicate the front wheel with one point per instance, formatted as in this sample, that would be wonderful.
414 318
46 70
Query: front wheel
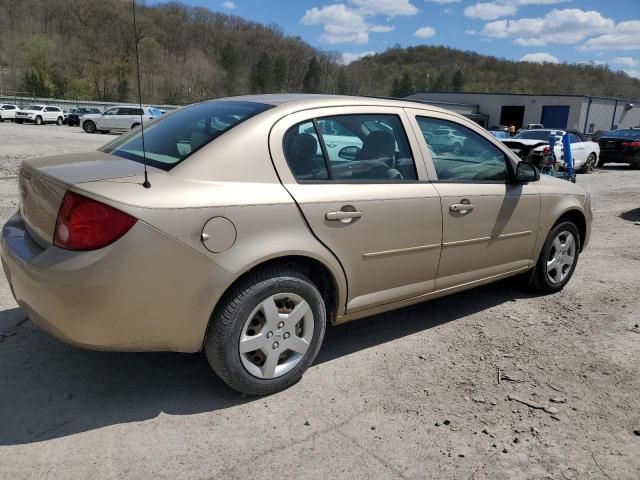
266 331
558 258
89 126
59 121
39 121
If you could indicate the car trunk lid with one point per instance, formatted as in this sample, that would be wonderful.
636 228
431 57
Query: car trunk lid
43 182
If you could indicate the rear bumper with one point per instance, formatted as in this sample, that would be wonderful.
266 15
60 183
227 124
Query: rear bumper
144 292
617 157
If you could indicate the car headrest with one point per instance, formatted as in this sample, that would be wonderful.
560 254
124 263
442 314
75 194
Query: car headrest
303 146
379 144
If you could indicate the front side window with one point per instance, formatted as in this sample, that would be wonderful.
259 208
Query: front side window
35 107
112 111
360 148
462 155
173 138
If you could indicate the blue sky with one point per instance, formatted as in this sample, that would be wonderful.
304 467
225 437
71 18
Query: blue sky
532 30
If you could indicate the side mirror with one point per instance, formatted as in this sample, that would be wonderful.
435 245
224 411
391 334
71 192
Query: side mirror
526 172
349 153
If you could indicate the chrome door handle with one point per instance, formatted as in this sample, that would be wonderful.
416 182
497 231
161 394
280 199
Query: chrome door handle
461 207
345 216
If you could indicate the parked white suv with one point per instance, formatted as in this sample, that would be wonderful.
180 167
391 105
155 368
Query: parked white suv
40 114
8 112
121 118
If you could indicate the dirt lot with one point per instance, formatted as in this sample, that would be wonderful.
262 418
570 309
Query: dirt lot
409 394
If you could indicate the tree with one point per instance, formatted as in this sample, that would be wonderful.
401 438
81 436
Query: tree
312 79
457 83
342 83
440 83
262 77
402 86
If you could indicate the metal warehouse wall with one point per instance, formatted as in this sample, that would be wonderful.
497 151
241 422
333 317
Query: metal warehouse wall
585 114
491 104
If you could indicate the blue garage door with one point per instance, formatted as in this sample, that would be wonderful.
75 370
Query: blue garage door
555 116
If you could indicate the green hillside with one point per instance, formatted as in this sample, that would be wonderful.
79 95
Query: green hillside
84 49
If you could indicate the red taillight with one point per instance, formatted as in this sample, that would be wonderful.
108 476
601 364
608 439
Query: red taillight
546 151
86 224
631 144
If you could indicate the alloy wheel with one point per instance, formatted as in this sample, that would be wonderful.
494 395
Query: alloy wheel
561 257
276 336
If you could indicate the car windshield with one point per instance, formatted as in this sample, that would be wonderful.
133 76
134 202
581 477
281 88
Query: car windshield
534 135
35 107
626 134
177 136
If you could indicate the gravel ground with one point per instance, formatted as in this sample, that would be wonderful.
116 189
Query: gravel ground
409 394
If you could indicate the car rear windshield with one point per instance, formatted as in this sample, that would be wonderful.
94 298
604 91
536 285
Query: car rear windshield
626 134
174 137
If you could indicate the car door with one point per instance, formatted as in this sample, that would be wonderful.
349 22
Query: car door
108 119
373 209
489 224
578 150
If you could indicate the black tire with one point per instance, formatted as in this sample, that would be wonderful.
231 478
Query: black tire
89 127
59 121
635 165
539 280
590 165
601 163
39 120
233 310
19 122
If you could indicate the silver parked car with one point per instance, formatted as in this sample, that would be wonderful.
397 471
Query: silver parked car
118 119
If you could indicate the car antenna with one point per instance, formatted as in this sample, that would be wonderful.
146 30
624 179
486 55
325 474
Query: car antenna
146 183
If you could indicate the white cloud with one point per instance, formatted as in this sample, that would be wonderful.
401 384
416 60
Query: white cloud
425 32
390 8
502 8
229 5
625 61
348 24
540 57
558 26
623 37
489 11
530 42
382 28
341 24
348 57
442 2
470 32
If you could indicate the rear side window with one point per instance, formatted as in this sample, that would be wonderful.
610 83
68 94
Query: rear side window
344 148
173 138
460 154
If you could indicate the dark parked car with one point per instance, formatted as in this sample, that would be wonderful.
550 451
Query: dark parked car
73 119
620 146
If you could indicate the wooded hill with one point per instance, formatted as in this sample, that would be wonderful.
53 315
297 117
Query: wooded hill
85 49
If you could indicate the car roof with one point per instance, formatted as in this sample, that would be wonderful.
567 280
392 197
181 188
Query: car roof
310 100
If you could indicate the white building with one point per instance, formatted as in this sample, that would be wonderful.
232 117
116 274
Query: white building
582 113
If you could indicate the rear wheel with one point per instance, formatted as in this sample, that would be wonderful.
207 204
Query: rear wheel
19 122
266 331
590 165
39 120
89 126
558 258
59 121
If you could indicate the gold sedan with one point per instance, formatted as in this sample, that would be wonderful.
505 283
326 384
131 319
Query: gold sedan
270 217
